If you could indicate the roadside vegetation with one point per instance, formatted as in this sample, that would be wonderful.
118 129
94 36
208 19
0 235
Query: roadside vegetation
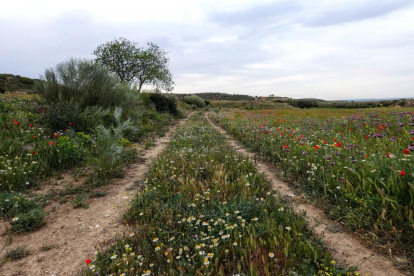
79 118
358 164
205 210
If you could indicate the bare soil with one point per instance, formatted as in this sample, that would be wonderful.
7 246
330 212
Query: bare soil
73 235
346 248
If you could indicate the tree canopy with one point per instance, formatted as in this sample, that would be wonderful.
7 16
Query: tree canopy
134 64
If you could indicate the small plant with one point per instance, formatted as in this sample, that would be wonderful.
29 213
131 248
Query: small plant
30 221
98 194
17 253
48 247
80 201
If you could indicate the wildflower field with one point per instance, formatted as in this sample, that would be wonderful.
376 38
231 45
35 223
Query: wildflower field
356 163
204 209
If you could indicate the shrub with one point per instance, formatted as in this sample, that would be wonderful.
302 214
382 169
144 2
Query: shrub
107 154
164 103
194 100
84 83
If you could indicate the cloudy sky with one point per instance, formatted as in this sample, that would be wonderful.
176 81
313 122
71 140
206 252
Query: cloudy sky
329 49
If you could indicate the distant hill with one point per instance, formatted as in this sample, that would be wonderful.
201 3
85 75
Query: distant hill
12 83
217 96
312 99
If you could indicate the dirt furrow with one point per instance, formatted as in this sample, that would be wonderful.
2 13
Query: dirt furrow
345 247
73 235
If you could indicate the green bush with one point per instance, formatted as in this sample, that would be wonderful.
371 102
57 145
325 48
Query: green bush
84 83
107 154
194 100
164 103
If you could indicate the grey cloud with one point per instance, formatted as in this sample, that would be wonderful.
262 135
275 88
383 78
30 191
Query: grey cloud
255 15
356 12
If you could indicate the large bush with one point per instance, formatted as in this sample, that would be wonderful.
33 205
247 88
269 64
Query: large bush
84 83
164 103
194 100
83 93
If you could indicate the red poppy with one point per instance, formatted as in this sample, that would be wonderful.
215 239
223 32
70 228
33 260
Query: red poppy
55 135
366 156
34 153
388 154
70 124
325 142
266 132
51 143
334 139
338 144
67 129
412 138
316 147
16 123
406 151
30 125
35 136
88 261
366 137
285 146
402 173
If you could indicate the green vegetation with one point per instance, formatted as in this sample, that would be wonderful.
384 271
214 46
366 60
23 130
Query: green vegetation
82 116
249 105
17 253
205 210
11 83
194 101
359 165
133 64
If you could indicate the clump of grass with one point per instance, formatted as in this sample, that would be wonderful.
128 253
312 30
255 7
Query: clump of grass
30 221
98 194
48 247
80 201
17 253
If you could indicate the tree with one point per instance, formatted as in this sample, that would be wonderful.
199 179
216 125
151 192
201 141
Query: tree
134 64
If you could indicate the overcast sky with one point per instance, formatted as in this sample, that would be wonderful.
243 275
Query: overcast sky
336 49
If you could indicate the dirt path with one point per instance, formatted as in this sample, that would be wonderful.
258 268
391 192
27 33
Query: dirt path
75 234
345 248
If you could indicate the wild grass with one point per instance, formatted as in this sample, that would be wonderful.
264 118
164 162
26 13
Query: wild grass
205 210
358 163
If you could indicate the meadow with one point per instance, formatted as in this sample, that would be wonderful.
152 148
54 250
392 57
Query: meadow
357 164
205 210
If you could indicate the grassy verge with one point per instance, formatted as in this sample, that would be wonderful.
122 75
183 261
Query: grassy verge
205 210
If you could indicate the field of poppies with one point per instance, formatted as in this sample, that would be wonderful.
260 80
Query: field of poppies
357 163
203 209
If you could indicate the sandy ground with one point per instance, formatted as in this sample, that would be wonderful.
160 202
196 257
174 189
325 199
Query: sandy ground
345 247
75 234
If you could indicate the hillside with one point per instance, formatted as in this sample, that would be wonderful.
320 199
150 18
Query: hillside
11 83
